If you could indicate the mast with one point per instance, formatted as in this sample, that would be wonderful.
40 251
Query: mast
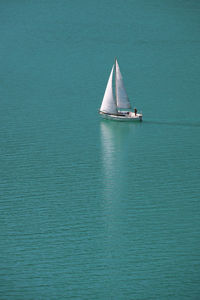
115 82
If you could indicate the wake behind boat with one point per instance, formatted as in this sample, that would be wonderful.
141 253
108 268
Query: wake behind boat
112 104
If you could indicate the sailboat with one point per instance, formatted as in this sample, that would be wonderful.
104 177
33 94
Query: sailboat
113 105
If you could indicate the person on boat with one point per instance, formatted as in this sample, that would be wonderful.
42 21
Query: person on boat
135 111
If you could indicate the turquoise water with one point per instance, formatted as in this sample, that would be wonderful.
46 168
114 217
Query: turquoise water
94 209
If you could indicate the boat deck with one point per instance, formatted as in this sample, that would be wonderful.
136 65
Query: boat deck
122 116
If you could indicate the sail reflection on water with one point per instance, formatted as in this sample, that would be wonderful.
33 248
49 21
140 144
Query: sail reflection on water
114 137
114 143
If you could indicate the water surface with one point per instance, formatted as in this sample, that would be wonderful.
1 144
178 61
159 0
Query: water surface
95 209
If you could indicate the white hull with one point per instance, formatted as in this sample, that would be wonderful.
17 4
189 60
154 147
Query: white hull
123 116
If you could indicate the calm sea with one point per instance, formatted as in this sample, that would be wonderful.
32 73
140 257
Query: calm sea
94 209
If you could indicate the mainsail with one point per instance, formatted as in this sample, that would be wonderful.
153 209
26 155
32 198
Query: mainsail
121 95
109 104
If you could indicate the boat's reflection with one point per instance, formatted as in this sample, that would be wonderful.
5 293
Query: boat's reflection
116 140
114 143
113 138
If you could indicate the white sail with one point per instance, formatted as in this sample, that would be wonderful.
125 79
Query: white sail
121 95
109 104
